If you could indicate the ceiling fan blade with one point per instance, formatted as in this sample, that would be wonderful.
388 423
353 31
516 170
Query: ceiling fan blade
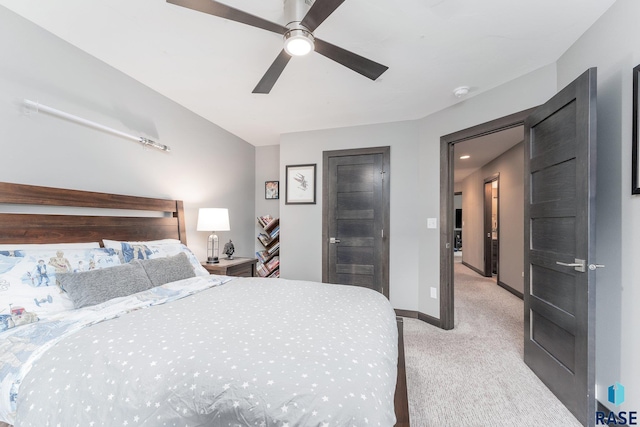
271 76
320 11
357 63
223 11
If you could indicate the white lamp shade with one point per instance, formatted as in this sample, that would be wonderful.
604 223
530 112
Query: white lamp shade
213 219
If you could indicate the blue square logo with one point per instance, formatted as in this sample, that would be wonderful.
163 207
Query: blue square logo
616 394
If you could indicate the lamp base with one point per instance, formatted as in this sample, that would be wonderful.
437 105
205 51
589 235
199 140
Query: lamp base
213 260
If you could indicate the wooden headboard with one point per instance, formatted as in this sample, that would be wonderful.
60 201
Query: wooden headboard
26 228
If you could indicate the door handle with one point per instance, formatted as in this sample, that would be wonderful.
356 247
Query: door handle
579 265
333 240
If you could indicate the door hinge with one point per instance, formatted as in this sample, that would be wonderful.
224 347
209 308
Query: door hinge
382 234
382 174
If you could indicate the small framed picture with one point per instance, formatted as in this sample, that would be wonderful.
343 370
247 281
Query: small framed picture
301 185
271 190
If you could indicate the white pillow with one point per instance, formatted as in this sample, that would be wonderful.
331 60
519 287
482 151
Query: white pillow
154 249
28 285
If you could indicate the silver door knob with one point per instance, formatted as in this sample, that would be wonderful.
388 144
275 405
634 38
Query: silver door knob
333 240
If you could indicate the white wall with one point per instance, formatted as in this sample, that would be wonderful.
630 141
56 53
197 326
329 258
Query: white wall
207 167
301 225
612 45
520 94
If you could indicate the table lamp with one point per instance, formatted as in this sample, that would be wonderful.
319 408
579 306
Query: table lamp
213 219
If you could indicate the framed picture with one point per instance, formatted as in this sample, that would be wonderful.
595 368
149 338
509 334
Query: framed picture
271 190
301 185
635 152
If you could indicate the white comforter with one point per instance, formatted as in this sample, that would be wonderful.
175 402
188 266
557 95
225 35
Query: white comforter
252 352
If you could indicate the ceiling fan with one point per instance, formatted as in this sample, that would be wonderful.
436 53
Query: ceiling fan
298 35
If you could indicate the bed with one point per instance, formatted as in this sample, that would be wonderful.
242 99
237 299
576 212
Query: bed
198 350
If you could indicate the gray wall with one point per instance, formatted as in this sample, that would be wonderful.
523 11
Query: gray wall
267 169
613 45
301 226
520 94
415 186
511 210
208 167
473 220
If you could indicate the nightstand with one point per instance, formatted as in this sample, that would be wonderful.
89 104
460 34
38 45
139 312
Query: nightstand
241 267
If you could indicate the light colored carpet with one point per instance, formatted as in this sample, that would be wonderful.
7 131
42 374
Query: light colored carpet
474 375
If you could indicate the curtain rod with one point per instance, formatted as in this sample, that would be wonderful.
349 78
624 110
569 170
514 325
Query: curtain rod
144 141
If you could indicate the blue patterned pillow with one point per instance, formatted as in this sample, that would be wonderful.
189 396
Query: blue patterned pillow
154 249
28 285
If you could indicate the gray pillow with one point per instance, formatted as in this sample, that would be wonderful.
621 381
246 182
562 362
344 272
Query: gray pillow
96 286
167 269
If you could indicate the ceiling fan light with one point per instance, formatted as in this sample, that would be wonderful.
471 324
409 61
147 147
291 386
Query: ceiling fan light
298 42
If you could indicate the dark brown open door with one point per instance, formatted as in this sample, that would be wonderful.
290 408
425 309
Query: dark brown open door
559 294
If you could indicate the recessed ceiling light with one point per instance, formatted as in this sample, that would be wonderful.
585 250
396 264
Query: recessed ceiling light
461 91
465 157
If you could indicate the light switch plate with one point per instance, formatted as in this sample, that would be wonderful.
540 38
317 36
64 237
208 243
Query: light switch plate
434 293
432 222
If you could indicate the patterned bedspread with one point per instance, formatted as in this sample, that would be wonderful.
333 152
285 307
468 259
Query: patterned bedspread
252 352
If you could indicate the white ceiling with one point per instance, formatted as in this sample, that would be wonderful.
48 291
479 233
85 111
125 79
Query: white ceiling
482 150
210 65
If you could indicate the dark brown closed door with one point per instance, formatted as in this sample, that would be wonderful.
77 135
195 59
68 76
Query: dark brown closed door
559 294
356 217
